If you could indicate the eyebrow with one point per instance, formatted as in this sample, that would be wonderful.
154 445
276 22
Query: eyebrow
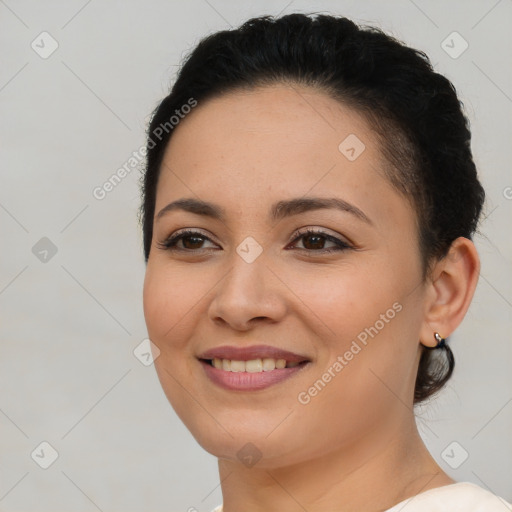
278 211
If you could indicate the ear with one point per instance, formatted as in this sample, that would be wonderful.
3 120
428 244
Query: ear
450 290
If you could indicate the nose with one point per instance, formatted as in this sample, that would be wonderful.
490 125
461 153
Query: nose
249 294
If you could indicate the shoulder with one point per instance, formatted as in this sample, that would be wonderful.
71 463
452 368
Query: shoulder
458 497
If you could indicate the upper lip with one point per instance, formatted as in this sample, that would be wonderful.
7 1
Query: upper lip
252 352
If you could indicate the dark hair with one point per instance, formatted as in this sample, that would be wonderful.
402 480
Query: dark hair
414 112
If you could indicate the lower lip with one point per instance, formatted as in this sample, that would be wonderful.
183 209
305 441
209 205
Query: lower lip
246 381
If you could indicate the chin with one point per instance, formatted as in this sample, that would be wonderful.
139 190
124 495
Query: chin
250 446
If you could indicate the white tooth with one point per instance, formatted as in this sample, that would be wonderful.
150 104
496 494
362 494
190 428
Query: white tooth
253 366
269 364
238 366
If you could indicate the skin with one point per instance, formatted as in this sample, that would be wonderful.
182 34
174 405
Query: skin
355 445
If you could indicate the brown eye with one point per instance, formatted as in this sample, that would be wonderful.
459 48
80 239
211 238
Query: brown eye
314 241
190 241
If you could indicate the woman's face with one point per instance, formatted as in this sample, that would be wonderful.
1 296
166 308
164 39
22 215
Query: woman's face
347 301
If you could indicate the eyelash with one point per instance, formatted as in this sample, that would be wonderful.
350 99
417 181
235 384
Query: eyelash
170 243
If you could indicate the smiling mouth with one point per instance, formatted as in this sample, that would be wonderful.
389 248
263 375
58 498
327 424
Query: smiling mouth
253 365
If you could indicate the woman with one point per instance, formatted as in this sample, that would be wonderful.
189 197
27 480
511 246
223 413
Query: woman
308 207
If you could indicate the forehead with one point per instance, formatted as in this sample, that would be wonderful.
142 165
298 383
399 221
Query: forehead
248 147
280 118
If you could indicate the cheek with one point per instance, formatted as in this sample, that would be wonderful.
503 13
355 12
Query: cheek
345 300
170 297
366 334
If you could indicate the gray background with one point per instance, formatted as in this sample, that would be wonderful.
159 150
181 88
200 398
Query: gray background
70 322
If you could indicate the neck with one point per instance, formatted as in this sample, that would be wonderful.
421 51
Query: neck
372 475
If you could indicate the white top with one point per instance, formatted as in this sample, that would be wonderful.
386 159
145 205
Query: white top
457 497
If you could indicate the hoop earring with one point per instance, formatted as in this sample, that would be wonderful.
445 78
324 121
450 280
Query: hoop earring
440 340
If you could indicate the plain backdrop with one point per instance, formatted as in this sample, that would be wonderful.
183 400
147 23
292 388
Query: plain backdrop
77 82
